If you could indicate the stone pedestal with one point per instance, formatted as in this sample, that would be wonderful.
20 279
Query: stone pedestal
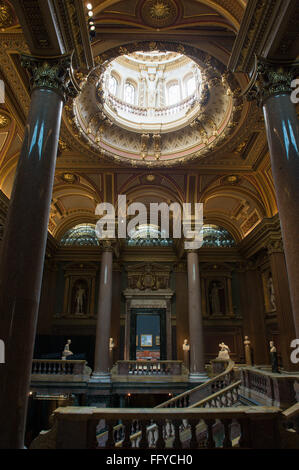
187 359
219 365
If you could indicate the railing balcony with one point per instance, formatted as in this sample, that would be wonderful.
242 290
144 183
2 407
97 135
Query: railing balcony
171 110
59 371
243 427
139 370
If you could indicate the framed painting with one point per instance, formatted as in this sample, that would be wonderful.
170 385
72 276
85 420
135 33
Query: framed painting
146 341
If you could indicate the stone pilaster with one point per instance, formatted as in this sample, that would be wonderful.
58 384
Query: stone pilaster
284 313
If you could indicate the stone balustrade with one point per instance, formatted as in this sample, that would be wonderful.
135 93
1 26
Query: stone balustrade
76 428
203 391
59 371
268 388
149 368
225 398
174 109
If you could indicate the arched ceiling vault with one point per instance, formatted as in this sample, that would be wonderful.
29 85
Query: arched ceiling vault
237 207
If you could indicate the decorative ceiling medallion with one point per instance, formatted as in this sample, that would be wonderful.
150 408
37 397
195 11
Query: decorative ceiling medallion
4 121
159 13
232 179
69 178
6 16
150 178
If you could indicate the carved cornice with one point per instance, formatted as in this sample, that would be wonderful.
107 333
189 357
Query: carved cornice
267 232
275 246
258 31
52 73
54 27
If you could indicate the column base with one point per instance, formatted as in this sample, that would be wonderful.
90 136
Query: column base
198 377
100 377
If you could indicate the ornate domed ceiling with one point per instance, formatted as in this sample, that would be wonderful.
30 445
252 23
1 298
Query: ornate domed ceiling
157 105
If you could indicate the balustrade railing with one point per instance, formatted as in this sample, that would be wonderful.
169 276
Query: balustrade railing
225 398
259 428
53 370
120 105
268 389
204 390
146 368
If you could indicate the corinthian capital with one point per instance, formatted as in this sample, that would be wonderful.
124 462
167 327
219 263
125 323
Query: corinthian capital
271 78
111 245
52 73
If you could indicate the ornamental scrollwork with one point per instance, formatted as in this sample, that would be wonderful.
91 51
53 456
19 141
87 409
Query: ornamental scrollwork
271 78
52 73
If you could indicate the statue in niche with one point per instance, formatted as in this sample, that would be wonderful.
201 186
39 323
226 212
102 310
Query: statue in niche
271 292
186 346
152 81
80 298
215 298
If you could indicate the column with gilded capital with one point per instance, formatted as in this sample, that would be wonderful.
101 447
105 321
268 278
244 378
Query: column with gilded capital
101 361
25 237
271 85
197 360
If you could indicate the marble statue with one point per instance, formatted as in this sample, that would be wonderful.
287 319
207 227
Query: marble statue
215 300
80 298
186 346
247 344
271 292
66 352
152 81
274 358
111 344
224 352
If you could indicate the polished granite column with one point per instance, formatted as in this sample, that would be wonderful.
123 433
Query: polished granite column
273 90
197 361
25 238
101 361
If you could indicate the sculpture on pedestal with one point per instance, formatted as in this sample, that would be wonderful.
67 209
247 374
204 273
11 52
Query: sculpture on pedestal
274 358
186 350
66 352
247 345
224 352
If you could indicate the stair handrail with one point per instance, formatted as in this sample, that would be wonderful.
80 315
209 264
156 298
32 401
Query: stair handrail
228 370
220 393
209 383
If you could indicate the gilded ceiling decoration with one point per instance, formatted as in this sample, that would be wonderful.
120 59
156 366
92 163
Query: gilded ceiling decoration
4 121
159 13
6 16
217 116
